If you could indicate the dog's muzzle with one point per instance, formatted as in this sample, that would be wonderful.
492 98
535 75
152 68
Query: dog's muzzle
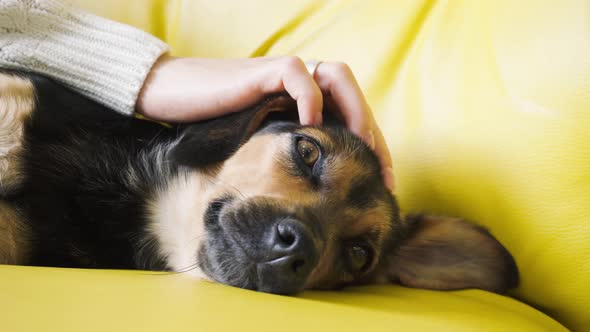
255 244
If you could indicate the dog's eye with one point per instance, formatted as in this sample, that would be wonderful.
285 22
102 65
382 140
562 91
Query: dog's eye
359 258
308 151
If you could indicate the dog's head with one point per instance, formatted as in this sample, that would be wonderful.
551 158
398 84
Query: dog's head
282 207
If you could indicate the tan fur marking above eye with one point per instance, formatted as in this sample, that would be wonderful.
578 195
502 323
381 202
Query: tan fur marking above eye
257 170
17 100
14 234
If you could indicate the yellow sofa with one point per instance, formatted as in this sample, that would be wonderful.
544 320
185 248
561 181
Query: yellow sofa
485 105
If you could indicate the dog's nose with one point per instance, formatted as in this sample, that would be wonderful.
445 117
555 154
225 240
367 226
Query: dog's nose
294 257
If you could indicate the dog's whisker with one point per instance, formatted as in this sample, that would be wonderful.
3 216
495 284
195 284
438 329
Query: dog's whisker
196 238
211 180
352 152
186 268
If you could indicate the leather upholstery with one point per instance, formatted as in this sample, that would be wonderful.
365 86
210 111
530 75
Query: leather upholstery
485 107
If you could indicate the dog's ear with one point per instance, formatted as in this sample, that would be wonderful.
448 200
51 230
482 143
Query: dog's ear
447 253
215 140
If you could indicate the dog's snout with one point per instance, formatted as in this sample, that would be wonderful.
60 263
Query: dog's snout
294 257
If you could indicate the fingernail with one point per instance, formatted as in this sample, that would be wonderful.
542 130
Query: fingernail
319 118
370 139
307 120
388 178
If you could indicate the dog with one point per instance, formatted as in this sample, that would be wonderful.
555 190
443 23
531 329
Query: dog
252 200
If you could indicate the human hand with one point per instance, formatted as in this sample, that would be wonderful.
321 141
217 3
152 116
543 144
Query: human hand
192 89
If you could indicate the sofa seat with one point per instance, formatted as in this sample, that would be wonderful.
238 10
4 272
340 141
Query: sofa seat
53 299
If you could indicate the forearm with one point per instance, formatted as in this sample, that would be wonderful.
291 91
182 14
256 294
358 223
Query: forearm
102 59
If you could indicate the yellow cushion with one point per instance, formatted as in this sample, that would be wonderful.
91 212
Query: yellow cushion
45 299
484 104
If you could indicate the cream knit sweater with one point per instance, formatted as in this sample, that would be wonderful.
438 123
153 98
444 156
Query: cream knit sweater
101 59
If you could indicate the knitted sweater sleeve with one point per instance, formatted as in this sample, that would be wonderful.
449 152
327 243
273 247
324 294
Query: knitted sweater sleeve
101 59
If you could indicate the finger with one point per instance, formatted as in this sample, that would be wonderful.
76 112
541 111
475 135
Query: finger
337 80
298 83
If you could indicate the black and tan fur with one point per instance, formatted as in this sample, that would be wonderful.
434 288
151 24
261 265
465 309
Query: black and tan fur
229 199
